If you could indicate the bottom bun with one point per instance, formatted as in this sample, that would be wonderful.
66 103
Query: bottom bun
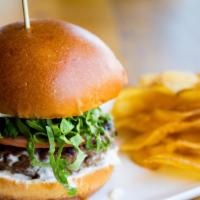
86 185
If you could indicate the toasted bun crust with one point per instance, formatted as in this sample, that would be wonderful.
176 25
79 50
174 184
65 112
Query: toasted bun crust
86 185
55 70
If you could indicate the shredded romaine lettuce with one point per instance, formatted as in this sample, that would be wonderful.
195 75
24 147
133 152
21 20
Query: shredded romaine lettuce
89 130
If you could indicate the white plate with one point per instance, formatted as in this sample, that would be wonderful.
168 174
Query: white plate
132 182
137 183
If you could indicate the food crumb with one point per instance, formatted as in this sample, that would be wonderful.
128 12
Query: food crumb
116 194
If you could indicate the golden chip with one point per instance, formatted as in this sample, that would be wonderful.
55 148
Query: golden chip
174 160
158 122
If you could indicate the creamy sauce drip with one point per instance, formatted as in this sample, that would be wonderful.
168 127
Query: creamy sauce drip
46 174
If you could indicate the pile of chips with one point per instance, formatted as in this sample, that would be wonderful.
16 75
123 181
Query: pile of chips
158 121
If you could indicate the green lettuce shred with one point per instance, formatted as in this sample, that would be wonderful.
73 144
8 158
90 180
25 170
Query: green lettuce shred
88 129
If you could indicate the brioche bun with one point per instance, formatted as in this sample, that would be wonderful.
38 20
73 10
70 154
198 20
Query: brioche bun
54 70
86 185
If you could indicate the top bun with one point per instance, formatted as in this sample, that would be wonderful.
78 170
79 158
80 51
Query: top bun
54 70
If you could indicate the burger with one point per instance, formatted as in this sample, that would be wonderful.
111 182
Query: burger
55 140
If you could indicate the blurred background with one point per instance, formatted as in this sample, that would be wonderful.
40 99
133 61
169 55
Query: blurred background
146 35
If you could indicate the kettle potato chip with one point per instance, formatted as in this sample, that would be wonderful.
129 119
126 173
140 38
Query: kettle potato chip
174 160
158 121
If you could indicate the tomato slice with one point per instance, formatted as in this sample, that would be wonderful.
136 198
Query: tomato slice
22 142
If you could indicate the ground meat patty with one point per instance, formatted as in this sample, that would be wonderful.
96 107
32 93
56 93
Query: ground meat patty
16 160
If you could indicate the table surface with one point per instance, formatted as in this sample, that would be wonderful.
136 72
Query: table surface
157 35
147 35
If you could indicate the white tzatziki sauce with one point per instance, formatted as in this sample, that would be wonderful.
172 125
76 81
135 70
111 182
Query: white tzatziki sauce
110 157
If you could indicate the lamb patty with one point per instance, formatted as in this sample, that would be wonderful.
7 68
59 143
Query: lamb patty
16 160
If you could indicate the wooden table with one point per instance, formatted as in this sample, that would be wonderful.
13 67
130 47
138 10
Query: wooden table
148 35
158 35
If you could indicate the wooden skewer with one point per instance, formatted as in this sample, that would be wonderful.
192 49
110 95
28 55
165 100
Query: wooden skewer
26 14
